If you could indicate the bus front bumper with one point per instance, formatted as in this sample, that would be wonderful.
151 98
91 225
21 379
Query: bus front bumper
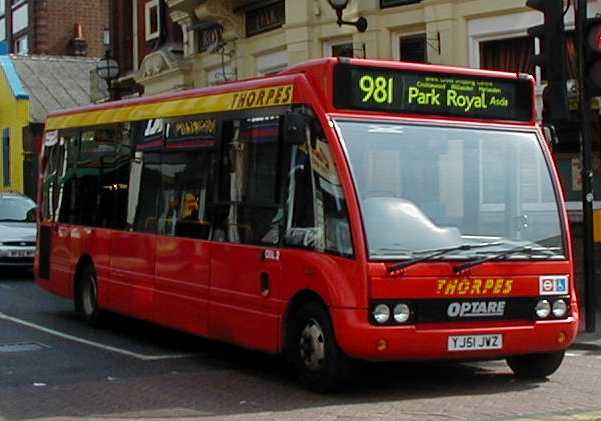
360 339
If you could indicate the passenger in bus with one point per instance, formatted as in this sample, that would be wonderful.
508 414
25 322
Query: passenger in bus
190 207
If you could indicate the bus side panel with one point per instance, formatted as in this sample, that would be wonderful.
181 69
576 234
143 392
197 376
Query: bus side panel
94 243
182 284
131 281
61 258
238 311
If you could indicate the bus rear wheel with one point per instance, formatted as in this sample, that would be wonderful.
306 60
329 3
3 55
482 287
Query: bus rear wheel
320 364
87 295
535 366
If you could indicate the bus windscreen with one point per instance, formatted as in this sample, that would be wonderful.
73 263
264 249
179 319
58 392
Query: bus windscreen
413 92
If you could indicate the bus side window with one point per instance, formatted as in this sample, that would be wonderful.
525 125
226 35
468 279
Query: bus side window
66 180
249 210
103 176
50 173
186 187
145 219
317 216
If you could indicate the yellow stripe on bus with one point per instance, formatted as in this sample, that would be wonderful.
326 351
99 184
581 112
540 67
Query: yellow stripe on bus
231 101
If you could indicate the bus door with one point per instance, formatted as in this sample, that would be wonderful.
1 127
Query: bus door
245 266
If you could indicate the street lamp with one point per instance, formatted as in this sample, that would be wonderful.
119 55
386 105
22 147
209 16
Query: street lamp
339 6
107 68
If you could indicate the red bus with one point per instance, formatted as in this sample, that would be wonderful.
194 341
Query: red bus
341 209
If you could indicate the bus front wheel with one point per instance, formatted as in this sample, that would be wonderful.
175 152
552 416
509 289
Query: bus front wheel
535 366
87 295
320 364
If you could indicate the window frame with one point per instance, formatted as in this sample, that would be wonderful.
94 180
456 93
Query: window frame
3 21
386 4
14 9
15 41
328 45
397 38
148 6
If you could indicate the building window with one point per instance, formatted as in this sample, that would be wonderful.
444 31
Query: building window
392 3
265 18
6 157
21 45
152 20
339 48
2 20
342 50
413 48
509 55
20 18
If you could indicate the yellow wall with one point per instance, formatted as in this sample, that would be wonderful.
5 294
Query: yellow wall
14 114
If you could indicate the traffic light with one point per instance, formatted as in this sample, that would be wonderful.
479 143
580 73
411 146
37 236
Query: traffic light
552 59
592 56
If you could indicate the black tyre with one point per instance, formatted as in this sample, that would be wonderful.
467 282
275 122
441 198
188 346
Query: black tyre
86 299
535 366
320 364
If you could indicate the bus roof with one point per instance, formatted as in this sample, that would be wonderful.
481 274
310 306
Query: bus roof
336 84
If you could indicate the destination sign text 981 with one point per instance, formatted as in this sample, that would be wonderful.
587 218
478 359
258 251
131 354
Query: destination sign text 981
411 92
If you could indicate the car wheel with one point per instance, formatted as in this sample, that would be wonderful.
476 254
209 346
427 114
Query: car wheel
535 366
320 364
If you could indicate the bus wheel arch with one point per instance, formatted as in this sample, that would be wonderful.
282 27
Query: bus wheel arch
310 344
85 290
295 303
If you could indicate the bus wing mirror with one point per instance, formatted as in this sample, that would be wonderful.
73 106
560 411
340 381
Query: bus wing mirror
550 136
295 128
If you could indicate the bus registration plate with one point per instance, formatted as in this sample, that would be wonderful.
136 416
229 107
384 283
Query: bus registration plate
475 342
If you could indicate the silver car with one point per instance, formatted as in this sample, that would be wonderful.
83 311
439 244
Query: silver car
17 231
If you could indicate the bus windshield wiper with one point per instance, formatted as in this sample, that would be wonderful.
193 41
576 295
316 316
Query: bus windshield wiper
527 250
437 253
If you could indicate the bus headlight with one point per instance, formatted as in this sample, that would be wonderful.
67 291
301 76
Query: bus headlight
560 308
542 309
381 313
401 313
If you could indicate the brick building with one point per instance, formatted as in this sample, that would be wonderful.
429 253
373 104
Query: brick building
54 27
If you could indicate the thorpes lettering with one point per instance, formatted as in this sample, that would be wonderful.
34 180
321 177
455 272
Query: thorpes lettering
474 287
262 97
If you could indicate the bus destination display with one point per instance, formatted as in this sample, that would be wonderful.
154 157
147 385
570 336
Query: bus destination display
400 91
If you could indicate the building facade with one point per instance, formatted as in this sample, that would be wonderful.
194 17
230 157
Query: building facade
14 119
181 44
54 27
193 43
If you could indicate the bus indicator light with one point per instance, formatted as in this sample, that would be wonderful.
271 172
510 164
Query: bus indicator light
382 345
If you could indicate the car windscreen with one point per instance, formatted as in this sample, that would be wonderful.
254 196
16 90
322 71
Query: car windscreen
16 209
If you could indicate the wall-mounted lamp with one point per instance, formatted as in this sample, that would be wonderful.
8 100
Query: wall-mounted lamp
107 68
339 6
